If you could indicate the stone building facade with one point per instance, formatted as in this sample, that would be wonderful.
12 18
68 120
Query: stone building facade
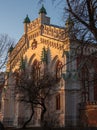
77 89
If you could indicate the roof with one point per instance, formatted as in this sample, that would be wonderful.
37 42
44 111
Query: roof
56 26
42 10
26 20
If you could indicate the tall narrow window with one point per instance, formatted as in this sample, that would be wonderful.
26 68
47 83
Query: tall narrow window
85 84
58 102
95 86
58 69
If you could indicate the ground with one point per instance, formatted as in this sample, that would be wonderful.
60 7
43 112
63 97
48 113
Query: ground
71 128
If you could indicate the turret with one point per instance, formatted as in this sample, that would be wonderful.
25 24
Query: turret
42 10
26 21
10 49
43 17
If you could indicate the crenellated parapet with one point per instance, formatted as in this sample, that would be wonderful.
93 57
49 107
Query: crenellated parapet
54 32
17 53
33 25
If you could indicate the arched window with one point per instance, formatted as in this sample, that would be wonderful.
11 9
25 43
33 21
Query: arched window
36 70
58 69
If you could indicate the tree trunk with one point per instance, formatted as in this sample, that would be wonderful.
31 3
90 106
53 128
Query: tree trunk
43 112
26 123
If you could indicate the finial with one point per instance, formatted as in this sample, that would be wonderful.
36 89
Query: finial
26 20
42 10
11 49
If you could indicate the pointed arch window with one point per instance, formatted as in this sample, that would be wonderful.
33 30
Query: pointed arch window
58 69
36 70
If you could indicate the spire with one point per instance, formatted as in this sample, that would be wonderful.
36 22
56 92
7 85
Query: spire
11 49
26 20
42 10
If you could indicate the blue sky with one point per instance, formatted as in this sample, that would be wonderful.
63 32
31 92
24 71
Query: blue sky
13 12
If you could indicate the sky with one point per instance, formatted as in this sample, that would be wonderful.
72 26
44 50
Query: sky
13 12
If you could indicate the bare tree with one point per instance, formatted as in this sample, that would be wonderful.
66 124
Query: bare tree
84 15
5 45
34 92
81 27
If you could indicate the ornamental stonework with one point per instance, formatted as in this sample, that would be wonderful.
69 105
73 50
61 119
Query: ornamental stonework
34 44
